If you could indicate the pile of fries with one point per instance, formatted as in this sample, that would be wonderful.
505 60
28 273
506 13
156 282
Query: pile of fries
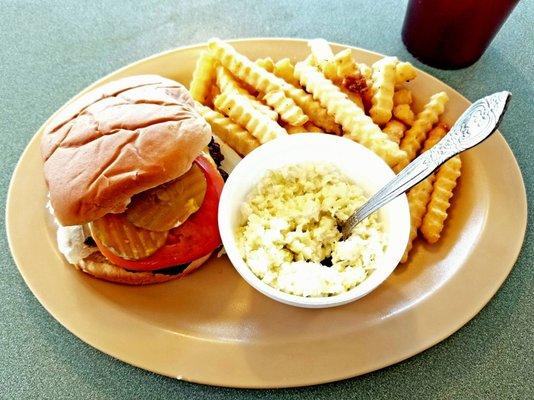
248 103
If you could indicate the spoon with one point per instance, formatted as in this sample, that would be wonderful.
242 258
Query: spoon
475 125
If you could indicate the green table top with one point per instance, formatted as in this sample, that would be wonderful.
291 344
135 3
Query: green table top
50 50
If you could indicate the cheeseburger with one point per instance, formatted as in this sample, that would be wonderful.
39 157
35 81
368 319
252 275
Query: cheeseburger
132 186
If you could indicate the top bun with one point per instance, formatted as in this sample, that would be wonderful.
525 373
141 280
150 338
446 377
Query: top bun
117 140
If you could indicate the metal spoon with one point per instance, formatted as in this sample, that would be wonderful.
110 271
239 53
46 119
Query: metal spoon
476 124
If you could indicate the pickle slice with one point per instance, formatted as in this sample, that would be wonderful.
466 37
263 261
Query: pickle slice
125 239
169 205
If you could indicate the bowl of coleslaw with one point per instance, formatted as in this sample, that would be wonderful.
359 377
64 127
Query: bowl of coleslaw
280 213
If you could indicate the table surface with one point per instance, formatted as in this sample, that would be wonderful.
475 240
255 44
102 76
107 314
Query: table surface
51 50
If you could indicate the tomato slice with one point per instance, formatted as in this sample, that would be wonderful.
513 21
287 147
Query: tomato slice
195 238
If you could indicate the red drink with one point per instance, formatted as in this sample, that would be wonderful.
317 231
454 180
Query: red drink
452 34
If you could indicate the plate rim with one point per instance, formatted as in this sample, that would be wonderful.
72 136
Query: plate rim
429 343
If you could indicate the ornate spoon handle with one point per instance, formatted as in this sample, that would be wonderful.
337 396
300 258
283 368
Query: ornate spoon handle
475 125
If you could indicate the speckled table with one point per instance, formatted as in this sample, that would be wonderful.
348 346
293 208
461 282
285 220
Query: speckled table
51 50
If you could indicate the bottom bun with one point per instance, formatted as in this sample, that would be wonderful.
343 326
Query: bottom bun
99 266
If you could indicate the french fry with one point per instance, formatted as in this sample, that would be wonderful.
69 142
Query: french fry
257 77
226 82
366 71
322 57
285 69
317 114
404 72
339 68
395 130
307 127
419 195
415 136
264 82
355 84
357 88
266 63
329 93
436 214
285 107
356 125
345 64
404 113
291 129
239 109
321 54
312 108
383 89
229 132
310 127
214 91
434 136
402 96
203 77
356 98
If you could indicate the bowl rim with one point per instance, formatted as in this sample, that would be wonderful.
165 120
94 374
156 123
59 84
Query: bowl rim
388 261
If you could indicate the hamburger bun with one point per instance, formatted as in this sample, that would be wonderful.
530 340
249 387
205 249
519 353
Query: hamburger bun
118 140
98 266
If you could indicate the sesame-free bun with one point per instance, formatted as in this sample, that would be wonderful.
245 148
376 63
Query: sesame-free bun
99 266
118 140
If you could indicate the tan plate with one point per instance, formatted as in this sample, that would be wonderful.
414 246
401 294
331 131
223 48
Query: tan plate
213 328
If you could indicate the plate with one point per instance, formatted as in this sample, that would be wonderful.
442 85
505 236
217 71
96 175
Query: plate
213 328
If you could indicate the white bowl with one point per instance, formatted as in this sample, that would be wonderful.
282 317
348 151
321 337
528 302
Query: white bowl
355 161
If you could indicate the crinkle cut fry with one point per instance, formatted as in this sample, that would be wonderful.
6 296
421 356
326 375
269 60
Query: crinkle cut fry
266 63
356 125
286 70
404 113
313 109
415 136
257 77
341 69
419 195
243 113
203 77
395 130
383 88
321 54
345 64
229 132
434 136
446 180
307 127
356 98
402 96
226 82
285 107
404 72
